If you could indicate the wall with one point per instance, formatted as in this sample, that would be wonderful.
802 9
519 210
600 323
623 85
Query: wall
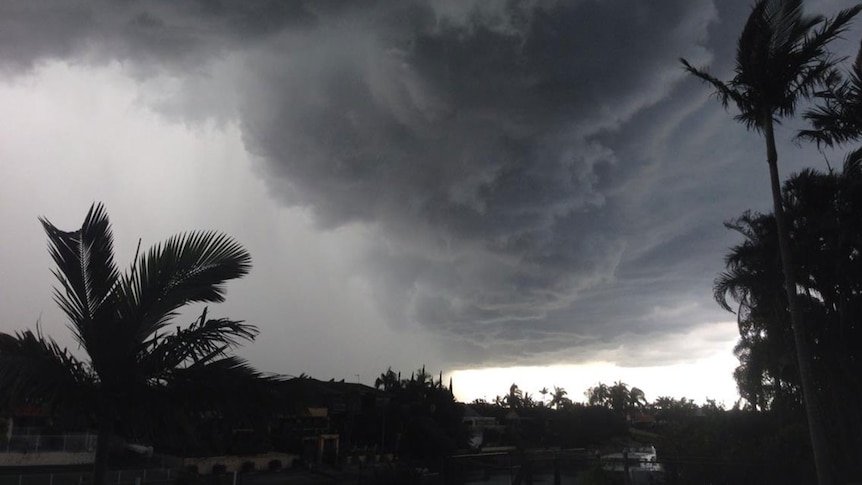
234 463
46 458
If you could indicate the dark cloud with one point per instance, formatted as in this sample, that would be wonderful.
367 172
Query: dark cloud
471 140
535 187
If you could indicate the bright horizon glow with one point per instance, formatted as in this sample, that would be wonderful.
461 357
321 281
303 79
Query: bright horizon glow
707 378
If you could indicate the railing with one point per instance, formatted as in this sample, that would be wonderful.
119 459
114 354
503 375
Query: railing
35 443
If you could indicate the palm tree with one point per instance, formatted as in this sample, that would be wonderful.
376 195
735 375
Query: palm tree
618 395
637 398
782 58
599 395
388 381
515 398
137 373
558 398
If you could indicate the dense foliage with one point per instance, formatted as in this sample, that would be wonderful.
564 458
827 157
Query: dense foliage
782 59
142 375
825 212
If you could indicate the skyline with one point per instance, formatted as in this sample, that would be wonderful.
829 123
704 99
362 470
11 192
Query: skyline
518 212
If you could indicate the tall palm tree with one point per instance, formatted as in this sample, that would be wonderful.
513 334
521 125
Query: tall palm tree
138 373
782 58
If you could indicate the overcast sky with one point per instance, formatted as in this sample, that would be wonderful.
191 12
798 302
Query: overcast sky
461 184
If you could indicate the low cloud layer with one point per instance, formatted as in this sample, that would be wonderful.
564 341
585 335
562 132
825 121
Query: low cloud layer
542 181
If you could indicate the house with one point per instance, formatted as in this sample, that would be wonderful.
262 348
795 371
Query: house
479 427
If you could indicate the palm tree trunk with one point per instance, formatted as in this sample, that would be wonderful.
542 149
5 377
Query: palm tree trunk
100 464
816 428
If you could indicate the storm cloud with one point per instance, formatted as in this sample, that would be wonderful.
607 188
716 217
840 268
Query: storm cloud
533 172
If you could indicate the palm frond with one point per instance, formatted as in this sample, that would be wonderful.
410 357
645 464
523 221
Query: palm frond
34 369
202 341
817 65
723 92
837 118
781 58
853 164
86 272
187 268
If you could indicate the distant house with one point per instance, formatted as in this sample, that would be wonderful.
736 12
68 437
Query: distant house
479 426
323 417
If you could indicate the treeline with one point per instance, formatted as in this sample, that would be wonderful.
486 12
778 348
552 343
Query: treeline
696 443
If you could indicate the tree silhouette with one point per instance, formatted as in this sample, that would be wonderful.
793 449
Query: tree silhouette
559 399
515 398
388 381
599 395
782 58
825 215
138 374
544 392
637 398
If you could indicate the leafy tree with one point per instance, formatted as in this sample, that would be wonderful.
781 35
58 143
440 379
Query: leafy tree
825 215
667 404
782 58
138 375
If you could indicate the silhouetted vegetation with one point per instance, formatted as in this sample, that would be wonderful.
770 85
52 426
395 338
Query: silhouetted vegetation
782 59
825 215
142 379
423 418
